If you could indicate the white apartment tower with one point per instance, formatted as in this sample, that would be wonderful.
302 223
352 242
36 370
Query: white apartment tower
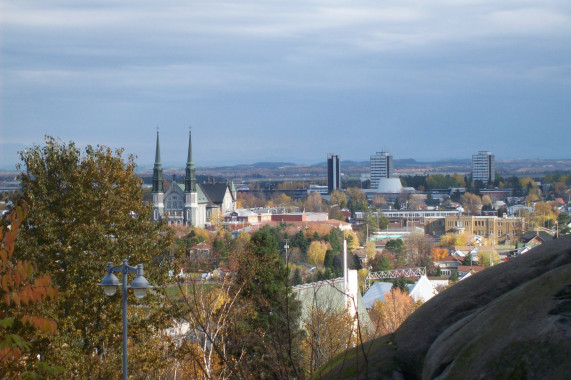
381 167
483 167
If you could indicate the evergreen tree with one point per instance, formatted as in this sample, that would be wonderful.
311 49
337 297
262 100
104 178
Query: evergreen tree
297 280
329 257
272 327
400 283
334 238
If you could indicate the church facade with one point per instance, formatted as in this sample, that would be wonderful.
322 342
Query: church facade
189 203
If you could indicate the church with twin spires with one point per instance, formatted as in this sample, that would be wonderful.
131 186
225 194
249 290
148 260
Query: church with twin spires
189 204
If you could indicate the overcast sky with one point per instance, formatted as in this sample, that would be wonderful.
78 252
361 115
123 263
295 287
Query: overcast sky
262 80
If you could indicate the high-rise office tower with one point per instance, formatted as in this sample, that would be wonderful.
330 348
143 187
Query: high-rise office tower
333 180
381 167
483 167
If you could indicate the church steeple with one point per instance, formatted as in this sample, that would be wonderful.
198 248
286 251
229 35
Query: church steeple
189 178
158 170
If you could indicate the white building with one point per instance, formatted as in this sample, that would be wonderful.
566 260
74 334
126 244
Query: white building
483 167
381 167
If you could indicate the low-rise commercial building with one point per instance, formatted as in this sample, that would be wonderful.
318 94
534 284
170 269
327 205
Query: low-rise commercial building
500 230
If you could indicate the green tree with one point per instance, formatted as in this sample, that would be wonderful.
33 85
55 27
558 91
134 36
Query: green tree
335 240
297 280
329 258
86 210
271 329
357 200
400 284
395 246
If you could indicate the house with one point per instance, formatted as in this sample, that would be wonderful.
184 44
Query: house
463 270
533 238
463 251
422 290
200 251
448 264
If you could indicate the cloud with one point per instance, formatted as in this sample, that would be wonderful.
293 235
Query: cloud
119 66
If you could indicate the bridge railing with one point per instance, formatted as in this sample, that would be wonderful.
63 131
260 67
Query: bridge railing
395 273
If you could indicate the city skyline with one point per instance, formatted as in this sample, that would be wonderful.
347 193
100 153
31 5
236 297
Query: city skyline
265 82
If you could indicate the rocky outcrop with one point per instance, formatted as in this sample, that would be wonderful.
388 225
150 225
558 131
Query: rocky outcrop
510 321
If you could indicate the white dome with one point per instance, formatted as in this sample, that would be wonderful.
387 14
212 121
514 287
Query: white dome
389 186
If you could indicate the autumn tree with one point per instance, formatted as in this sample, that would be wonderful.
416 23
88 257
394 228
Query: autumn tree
486 200
329 332
86 210
370 251
217 220
389 315
352 240
472 203
338 198
356 200
316 252
209 312
438 253
450 239
313 202
22 290
485 259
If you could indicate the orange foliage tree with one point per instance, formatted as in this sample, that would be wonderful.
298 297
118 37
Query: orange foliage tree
21 291
438 253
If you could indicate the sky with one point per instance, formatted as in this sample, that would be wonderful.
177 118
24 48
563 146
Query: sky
264 80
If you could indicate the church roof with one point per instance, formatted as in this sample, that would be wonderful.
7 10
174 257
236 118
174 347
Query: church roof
214 191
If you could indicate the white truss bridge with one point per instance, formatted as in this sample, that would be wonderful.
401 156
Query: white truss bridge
395 273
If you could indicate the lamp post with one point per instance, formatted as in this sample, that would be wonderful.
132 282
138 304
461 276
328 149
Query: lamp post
139 286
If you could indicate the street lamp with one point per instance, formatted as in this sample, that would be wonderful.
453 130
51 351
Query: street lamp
139 286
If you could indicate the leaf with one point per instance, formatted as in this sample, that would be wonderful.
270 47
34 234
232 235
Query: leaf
7 322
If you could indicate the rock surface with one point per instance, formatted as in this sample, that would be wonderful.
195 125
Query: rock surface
510 321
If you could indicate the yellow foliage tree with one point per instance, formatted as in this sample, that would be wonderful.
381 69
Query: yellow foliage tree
313 202
217 220
486 200
484 258
370 251
316 252
338 198
329 332
472 203
389 315
352 240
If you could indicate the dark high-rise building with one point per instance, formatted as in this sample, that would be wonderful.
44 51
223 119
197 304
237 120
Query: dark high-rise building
333 180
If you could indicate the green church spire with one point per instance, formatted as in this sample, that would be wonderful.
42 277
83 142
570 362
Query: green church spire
158 170
189 178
